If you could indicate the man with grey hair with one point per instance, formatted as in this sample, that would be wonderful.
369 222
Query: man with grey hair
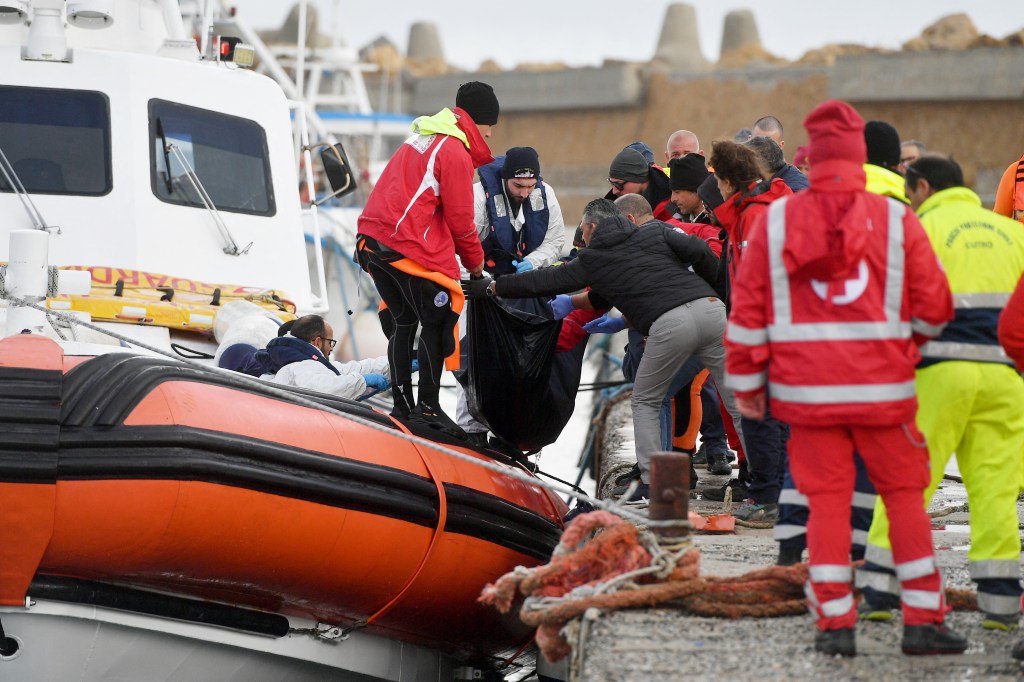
661 279
774 162
910 151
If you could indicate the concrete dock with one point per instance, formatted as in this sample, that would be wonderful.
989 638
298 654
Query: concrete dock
666 644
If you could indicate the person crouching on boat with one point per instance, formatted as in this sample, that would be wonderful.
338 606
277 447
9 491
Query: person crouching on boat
418 217
301 357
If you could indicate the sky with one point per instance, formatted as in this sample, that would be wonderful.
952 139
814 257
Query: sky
585 32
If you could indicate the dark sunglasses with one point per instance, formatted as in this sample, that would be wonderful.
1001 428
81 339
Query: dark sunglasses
617 184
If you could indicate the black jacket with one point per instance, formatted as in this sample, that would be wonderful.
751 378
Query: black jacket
643 271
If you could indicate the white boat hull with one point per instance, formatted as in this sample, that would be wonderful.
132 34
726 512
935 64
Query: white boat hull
59 641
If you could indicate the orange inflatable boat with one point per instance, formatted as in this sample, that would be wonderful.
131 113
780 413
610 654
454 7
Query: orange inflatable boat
140 484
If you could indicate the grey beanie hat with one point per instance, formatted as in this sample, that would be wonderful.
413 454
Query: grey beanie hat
629 165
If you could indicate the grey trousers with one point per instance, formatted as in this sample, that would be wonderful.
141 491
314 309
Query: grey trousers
694 328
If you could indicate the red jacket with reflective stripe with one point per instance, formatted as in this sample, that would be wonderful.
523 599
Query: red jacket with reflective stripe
422 205
1011 326
830 305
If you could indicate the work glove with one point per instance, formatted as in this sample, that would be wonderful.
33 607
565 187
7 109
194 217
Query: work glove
476 287
605 325
378 382
522 265
415 365
561 306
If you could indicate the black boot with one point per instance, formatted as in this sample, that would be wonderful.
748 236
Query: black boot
788 556
433 417
839 642
718 465
934 638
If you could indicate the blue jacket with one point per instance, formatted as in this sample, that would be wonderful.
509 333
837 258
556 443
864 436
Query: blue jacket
282 351
793 177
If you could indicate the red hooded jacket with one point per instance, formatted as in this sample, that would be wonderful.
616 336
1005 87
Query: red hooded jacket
836 290
740 211
422 205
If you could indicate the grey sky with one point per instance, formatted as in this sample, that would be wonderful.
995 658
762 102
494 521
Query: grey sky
582 32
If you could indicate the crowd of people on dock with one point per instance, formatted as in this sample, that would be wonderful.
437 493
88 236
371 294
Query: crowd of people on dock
845 323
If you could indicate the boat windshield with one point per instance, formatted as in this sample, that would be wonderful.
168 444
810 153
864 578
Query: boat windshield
227 153
58 141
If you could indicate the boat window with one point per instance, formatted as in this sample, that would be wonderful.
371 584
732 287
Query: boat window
228 154
58 141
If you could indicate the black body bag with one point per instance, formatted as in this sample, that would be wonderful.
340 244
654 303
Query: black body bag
515 382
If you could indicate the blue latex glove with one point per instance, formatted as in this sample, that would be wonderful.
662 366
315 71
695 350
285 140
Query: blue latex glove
377 382
605 325
522 265
415 365
561 306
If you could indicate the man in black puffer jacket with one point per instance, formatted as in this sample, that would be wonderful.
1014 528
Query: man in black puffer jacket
659 278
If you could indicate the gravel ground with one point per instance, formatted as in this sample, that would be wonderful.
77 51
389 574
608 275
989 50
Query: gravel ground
665 644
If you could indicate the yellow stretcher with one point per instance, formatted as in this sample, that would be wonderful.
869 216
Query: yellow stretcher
139 297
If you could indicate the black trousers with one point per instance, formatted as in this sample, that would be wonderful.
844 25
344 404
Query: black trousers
413 304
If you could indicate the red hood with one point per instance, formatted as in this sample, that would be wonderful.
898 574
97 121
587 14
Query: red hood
478 149
837 175
829 240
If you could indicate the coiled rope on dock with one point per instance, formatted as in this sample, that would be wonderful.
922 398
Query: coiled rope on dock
604 562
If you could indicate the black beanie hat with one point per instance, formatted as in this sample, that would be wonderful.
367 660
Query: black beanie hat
883 144
478 100
521 162
709 193
629 165
687 172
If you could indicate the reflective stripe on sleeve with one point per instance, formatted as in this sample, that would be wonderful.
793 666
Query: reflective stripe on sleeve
926 329
745 336
745 382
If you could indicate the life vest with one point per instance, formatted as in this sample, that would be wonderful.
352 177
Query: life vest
503 235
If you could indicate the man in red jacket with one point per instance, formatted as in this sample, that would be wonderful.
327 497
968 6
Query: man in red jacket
837 290
418 217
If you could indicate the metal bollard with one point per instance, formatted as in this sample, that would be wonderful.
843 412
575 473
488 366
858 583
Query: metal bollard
670 493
